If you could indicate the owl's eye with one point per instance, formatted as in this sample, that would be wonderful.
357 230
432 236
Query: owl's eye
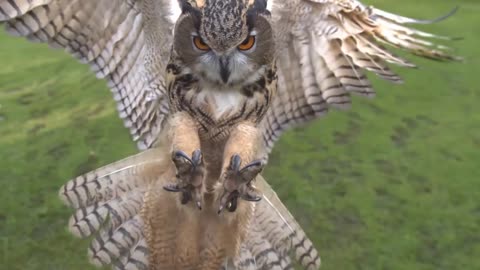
200 44
247 44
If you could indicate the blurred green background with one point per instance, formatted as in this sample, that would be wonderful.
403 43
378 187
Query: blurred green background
394 183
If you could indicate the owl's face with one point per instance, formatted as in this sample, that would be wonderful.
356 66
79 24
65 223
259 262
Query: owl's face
224 44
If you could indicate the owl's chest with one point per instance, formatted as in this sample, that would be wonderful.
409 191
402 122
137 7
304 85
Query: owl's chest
218 108
218 103
218 111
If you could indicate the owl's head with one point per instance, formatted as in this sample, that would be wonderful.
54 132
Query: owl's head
226 42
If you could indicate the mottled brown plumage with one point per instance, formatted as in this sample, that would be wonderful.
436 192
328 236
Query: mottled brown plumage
207 87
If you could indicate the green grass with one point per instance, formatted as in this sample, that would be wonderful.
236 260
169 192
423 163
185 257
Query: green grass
391 184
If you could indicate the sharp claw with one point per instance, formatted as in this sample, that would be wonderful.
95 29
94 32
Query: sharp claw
251 170
223 201
258 163
197 195
186 197
232 205
196 157
199 205
226 199
172 188
177 154
251 198
235 162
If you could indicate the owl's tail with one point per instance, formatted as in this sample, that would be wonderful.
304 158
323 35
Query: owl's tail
108 202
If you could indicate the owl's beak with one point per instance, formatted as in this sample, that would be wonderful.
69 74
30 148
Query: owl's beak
224 69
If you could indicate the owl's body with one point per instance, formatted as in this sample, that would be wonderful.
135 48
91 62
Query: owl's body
182 237
206 87
218 114
219 87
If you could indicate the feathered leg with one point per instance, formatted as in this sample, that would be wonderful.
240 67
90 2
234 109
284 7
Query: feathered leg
240 167
188 159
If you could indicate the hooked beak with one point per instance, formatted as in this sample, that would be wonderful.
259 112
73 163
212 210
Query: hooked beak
224 70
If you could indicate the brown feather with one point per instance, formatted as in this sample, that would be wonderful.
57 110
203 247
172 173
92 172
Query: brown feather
342 38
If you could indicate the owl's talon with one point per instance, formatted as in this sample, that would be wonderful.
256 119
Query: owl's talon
186 197
251 196
189 177
172 188
237 183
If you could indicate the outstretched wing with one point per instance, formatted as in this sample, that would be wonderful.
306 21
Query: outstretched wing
107 205
126 42
324 49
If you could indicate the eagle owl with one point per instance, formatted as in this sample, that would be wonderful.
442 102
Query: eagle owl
206 87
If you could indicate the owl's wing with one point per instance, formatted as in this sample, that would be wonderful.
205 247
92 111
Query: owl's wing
108 203
126 42
324 49
275 240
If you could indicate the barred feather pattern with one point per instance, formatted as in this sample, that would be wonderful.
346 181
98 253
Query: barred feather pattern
114 38
275 238
282 231
108 202
330 44
110 205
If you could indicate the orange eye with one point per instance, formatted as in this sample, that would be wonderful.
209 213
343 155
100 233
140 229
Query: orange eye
200 44
247 44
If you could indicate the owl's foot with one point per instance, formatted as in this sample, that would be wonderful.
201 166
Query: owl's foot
237 182
190 175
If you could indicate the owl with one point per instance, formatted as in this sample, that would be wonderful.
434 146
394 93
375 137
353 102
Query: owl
206 87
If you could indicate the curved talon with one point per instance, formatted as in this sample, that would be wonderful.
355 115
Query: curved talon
196 158
253 164
172 188
177 154
232 205
199 205
235 162
251 194
228 200
186 197
250 198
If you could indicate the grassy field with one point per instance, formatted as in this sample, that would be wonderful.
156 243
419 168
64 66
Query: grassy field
392 184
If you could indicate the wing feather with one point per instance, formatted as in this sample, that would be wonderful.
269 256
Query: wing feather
279 235
328 45
108 204
126 42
